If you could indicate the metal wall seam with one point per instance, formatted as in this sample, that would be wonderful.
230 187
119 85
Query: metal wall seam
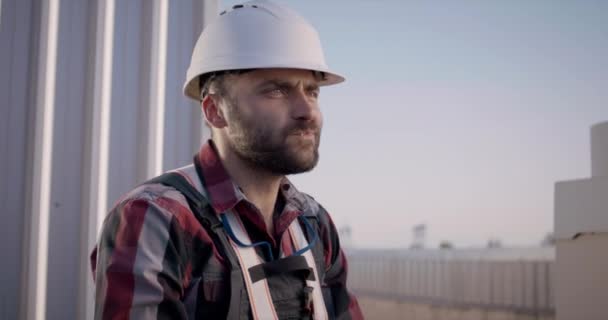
158 66
208 10
95 172
177 149
37 267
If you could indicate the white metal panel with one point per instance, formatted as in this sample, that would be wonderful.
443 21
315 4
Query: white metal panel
15 27
180 145
67 147
123 44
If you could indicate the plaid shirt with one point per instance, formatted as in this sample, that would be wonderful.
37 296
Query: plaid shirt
155 260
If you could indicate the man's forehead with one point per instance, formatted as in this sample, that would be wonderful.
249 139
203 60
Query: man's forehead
282 75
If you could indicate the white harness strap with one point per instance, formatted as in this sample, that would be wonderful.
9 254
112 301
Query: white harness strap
189 172
319 308
259 293
260 299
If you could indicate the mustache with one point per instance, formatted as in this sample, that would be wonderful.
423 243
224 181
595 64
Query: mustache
304 126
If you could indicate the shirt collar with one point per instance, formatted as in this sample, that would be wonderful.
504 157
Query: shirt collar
224 194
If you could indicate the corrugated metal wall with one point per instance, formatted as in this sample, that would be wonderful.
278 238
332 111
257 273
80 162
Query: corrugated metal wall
509 284
91 104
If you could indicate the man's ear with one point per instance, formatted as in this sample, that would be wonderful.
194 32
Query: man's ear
212 111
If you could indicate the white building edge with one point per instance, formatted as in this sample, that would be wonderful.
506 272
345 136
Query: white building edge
581 232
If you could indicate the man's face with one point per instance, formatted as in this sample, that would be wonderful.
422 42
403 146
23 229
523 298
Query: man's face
274 121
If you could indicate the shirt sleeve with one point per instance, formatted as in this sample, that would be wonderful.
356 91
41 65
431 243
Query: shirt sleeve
345 304
138 274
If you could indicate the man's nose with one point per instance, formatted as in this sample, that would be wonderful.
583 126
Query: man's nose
305 106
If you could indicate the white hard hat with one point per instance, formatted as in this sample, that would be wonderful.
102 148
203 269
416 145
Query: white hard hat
257 34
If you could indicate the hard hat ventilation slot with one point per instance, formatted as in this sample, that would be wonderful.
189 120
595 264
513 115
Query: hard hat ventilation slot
238 6
319 75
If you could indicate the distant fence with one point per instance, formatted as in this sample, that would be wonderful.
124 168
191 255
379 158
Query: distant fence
457 279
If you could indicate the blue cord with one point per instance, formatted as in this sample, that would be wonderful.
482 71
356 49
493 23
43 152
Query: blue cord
227 227
310 229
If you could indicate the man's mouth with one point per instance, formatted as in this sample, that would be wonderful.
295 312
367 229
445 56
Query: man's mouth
304 133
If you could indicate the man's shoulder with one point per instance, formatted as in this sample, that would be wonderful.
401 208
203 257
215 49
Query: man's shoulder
153 193
314 208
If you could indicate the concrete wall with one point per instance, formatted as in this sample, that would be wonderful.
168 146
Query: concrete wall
90 105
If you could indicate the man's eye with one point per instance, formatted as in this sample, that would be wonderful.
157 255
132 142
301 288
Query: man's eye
276 92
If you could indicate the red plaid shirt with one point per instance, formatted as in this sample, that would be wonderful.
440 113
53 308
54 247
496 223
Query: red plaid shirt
155 260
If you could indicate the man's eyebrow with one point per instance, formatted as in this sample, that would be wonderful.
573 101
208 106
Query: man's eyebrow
286 84
275 82
311 87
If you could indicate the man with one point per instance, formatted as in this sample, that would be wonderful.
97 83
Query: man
229 236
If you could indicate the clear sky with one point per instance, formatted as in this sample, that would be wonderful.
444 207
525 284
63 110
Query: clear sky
458 114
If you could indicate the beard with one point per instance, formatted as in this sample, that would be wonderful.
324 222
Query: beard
280 152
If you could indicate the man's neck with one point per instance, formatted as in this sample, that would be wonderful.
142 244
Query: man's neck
260 187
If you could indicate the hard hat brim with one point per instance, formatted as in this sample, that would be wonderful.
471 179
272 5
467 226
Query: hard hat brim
192 87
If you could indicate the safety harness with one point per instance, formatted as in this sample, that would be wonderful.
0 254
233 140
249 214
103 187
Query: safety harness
246 268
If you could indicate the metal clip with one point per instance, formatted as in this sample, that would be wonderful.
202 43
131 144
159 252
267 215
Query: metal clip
308 298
